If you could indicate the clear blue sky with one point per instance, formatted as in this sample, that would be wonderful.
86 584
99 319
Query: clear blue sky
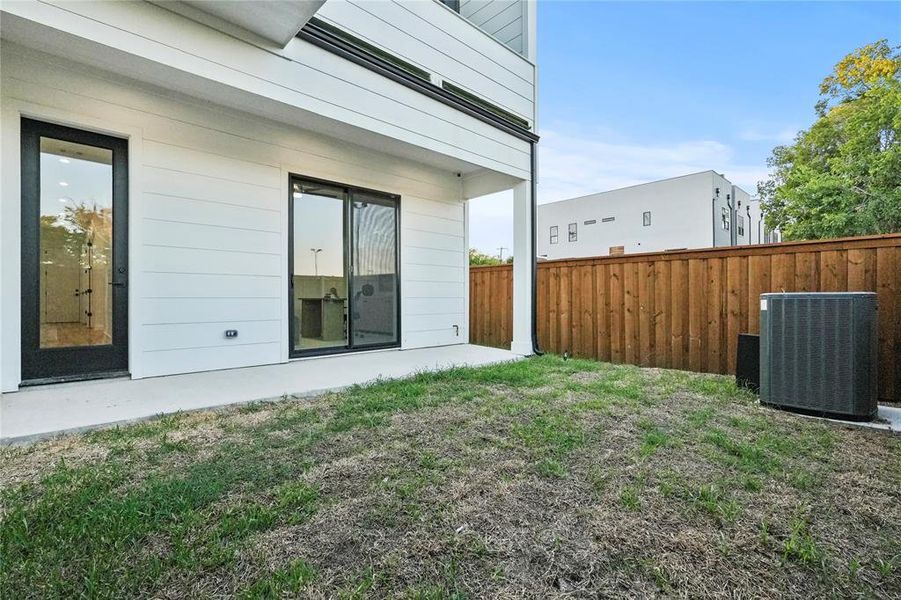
637 91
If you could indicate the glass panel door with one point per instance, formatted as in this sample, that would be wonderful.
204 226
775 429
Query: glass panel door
319 273
76 244
74 253
343 268
374 315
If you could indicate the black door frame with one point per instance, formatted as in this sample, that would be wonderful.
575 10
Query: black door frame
47 365
348 266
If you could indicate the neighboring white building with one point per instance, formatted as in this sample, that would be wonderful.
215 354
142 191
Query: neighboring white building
692 211
190 186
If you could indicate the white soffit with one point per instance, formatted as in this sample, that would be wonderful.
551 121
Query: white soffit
275 20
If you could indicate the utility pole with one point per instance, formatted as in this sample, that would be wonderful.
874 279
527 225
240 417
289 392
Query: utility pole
500 252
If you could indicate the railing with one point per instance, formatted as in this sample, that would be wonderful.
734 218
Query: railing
684 310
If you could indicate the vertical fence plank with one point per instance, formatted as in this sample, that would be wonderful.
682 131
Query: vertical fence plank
630 321
807 272
589 310
758 283
646 313
887 297
742 295
554 307
783 272
602 323
714 308
862 270
697 303
566 332
662 314
617 313
542 307
575 286
679 307
833 271
508 284
733 310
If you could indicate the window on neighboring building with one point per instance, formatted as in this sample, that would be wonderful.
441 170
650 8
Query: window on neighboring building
590 222
573 234
725 218
740 223
555 237
608 219
646 218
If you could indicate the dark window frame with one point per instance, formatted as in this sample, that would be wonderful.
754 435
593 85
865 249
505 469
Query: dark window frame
555 234
573 232
646 218
46 365
349 347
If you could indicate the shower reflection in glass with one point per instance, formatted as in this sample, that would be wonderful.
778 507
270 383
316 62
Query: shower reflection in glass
76 233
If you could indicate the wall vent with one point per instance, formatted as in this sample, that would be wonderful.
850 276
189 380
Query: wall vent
818 353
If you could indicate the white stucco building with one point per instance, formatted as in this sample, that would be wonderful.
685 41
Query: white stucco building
699 210
192 186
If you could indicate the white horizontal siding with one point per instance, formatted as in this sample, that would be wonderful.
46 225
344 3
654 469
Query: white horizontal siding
433 267
209 218
209 335
210 359
438 51
264 80
502 19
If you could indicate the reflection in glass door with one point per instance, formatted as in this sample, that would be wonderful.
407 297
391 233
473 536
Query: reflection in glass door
74 252
374 261
76 244
319 275
343 268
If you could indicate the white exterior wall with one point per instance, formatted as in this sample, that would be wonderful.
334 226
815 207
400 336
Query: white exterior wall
506 20
424 34
686 212
302 81
208 189
759 233
680 218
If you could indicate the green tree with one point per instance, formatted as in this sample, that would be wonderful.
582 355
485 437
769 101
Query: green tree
477 258
842 177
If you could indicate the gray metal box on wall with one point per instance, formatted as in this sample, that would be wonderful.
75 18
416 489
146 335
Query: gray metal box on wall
818 353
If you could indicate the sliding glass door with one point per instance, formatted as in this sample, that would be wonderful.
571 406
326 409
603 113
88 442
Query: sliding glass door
343 268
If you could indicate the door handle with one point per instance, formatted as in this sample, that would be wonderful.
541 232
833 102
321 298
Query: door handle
118 284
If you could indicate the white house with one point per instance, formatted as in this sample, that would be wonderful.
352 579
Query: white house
699 210
193 186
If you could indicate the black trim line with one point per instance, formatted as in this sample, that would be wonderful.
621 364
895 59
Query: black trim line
320 37
470 97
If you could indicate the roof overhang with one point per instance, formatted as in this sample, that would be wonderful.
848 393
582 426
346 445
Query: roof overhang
275 20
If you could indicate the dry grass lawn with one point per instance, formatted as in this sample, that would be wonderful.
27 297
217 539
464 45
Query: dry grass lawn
534 479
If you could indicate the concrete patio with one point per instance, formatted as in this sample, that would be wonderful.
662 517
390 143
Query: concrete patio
43 411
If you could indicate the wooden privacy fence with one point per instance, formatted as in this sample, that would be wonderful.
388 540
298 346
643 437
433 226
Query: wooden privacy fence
684 310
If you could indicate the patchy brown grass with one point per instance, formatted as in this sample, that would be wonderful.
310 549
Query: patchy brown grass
534 479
